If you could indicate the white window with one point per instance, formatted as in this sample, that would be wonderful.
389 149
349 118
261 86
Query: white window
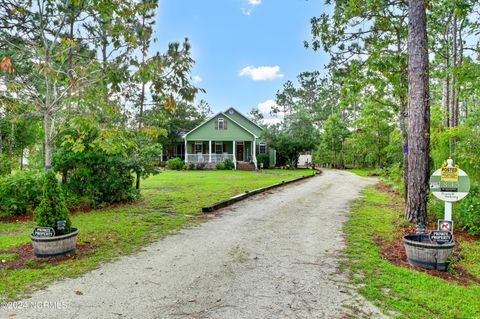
198 148
218 147
221 124
262 148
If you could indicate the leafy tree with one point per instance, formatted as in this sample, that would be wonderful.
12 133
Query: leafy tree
296 135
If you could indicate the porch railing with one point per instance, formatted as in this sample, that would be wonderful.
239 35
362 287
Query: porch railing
204 158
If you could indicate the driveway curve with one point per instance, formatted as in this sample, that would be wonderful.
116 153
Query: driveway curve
274 255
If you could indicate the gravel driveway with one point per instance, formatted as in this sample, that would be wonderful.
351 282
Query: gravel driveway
271 256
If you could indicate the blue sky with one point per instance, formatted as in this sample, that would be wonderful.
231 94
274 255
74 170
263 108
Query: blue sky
244 49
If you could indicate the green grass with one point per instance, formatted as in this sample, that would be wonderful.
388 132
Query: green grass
170 200
298 171
406 292
364 171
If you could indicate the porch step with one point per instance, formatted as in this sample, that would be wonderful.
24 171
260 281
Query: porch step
244 166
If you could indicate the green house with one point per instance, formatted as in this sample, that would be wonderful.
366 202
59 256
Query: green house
226 135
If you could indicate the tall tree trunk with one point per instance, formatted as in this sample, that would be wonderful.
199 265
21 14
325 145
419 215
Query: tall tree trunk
418 114
47 139
11 143
403 113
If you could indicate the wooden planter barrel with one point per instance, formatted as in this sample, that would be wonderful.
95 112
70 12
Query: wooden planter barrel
427 254
55 246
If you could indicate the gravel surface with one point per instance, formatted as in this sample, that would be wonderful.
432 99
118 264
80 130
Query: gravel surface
271 256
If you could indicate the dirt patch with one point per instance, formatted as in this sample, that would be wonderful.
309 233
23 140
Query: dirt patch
16 219
26 258
381 187
394 251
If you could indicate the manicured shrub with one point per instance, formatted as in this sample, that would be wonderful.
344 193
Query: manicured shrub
263 159
228 163
468 212
52 208
219 166
20 192
175 163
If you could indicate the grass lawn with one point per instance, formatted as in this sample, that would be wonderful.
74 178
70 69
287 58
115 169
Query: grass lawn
364 171
298 171
406 292
170 200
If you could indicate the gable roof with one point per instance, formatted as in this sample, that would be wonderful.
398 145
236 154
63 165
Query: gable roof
242 115
212 117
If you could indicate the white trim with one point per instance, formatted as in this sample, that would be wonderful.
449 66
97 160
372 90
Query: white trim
228 117
210 151
204 122
186 151
240 125
234 154
260 148
223 123
232 108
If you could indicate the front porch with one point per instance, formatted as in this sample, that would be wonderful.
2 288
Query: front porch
219 151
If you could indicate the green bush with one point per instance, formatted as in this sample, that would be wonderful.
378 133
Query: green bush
20 192
96 176
468 212
228 163
175 163
52 208
219 166
263 159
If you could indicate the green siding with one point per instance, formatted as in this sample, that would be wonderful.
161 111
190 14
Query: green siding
244 122
208 132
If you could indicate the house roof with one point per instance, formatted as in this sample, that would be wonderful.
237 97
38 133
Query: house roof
245 117
224 114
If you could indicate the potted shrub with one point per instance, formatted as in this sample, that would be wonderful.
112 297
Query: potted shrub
54 234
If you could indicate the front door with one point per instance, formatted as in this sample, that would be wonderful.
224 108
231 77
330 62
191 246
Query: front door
239 153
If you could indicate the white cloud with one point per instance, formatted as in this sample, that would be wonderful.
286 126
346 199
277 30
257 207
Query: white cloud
262 72
197 78
250 4
266 108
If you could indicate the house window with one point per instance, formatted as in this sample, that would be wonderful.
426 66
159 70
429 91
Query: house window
198 148
221 124
263 148
218 147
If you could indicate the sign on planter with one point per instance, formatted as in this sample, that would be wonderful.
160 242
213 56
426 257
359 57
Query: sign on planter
441 237
43 232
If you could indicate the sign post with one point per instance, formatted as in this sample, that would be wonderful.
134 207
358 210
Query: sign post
449 184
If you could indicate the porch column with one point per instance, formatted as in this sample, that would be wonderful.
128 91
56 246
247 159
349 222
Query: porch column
210 151
254 151
234 156
186 151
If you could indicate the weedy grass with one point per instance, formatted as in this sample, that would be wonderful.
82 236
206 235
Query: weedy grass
169 202
405 292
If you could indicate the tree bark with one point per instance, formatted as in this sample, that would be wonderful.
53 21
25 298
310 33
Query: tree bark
418 114
403 113
47 140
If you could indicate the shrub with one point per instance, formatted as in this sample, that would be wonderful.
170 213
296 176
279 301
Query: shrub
200 166
175 163
20 192
52 208
96 176
219 166
468 212
228 163
263 159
